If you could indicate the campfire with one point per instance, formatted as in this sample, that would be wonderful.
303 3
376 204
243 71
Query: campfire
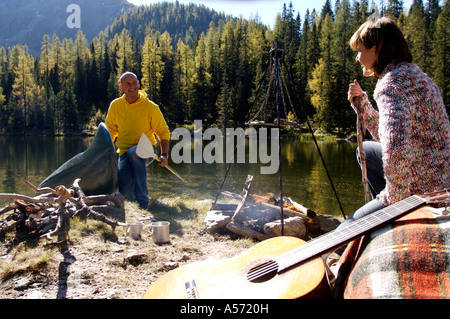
259 217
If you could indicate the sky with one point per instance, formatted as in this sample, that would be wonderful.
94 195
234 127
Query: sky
267 10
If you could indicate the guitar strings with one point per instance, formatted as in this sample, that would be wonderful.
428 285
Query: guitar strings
262 271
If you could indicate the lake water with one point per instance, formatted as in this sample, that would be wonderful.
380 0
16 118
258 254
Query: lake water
304 178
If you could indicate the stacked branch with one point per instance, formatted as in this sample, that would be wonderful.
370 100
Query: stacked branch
48 214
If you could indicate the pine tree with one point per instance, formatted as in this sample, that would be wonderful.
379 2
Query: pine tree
200 85
342 65
183 57
224 101
46 61
113 90
212 48
101 69
417 35
313 50
124 53
394 9
167 55
441 52
243 76
3 112
56 73
4 74
321 84
49 100
302 65
80 84
22 89
152 69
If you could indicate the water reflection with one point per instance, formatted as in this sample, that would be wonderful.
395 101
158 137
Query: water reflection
303 175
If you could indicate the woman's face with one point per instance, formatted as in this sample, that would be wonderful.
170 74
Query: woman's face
367 58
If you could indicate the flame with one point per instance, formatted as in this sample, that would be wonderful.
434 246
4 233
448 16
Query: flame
268 198
271 199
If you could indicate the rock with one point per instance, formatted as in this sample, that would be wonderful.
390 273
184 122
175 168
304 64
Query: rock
322 224
135 258
216 219
22 284
171 265
293 226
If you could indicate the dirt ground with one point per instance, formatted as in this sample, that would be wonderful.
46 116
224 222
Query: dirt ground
104 264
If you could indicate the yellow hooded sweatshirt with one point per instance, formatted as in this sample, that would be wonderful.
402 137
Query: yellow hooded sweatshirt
128 121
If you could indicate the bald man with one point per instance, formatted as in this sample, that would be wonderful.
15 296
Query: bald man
128 117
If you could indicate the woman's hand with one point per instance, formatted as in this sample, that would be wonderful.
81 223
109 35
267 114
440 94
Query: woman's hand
354 90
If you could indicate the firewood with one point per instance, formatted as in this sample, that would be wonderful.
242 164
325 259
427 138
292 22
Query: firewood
85 210
116 199
246 231
48 214
286 211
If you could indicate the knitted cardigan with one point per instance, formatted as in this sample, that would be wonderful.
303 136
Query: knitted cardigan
413 128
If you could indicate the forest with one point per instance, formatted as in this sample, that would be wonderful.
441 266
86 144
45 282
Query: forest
200 65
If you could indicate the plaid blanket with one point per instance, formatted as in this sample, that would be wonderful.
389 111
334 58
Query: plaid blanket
408 259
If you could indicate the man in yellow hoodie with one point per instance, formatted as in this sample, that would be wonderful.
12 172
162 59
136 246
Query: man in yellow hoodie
128 117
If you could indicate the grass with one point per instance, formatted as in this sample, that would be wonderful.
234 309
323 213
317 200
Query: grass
26 259
100 251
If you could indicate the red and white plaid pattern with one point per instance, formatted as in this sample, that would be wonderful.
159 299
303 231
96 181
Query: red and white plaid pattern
410 258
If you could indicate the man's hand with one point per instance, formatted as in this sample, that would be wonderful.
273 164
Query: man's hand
164 153
163 160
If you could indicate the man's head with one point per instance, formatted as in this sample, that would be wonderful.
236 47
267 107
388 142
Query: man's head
129 85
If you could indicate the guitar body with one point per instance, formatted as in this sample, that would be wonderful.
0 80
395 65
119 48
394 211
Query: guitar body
230 278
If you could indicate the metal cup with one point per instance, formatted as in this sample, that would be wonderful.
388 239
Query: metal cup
160 232
134 230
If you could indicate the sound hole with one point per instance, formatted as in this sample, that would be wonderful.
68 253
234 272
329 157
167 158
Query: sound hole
263 272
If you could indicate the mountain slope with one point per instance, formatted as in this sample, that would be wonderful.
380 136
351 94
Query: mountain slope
181 21
27 21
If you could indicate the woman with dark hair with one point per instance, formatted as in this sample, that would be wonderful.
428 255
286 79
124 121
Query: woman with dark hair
411 154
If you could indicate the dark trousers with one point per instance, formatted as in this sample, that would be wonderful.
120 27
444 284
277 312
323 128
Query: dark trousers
375 176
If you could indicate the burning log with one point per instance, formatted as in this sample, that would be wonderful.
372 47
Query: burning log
48 215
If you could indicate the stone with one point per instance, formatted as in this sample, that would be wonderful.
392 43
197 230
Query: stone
136 258
22 283
322 224
216 219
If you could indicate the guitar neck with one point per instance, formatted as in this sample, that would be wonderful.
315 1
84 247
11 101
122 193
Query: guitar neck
346 233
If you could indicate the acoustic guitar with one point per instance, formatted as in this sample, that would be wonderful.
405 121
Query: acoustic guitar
281 267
